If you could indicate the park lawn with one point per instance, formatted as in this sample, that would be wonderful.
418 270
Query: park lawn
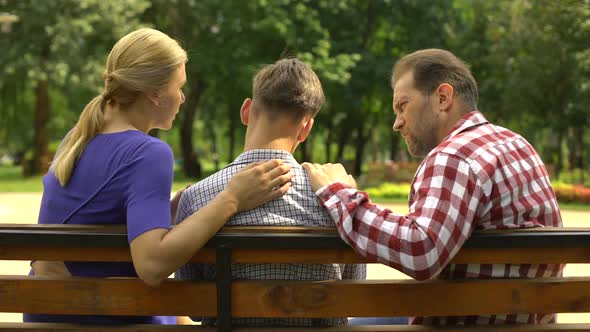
11 180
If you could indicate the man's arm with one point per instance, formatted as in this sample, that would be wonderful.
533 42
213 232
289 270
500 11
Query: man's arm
421 243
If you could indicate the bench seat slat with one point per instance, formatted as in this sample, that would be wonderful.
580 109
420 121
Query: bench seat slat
51 327
41 327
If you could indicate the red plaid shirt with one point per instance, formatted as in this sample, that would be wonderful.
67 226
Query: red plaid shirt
480 177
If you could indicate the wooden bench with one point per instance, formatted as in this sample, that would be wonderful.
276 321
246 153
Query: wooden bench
226 299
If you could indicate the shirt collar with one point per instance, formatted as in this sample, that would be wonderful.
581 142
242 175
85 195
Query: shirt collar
468 121
250 156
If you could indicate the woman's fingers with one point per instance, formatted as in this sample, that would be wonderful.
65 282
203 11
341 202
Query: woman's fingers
279 180
260 182
279 191
273 173
268 166
252 165
279 170
257 183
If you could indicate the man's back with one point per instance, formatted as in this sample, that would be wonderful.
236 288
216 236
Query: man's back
298 207
515 186
515 192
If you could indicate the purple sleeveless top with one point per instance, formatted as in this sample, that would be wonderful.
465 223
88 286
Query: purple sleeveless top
120 178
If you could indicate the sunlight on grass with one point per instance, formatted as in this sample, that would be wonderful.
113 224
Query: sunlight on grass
12 181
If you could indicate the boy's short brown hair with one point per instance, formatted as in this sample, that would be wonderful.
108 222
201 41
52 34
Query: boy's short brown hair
287 87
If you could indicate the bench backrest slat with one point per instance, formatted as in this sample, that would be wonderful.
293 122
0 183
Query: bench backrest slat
93 296
130 296
271 237
288 244
295 299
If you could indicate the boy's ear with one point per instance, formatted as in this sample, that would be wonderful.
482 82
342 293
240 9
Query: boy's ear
154 97
305 130
245 111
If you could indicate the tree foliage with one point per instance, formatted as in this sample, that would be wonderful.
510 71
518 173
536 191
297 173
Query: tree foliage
531 59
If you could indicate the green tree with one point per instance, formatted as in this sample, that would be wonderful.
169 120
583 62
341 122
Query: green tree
228 42
62 51
379 32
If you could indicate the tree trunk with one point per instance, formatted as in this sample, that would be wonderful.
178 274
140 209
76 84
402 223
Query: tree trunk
41 156
581 153
215 148
571 148
330 135
342 140
359 151
394 148
304 152
579 147
190 160
328 144
559 165
578 160
232 135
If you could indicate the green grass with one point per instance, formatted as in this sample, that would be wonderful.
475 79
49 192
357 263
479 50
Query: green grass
12 180
181 181
390 201
574 207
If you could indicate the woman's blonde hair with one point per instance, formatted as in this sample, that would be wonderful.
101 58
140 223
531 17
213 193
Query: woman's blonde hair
143 60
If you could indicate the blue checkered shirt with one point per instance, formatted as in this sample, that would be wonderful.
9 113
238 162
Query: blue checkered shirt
298 207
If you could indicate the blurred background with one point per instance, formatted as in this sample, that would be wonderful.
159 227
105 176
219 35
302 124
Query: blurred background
530 58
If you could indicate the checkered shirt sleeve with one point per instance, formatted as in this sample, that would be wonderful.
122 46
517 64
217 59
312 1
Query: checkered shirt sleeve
298 207
422 242
481 177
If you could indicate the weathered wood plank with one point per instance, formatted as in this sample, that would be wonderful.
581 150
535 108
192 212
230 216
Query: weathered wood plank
126 296
408 298
296 298
113 296
36 327
51 327
251 229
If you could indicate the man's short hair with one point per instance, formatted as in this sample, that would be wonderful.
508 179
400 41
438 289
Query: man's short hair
287 87
432 67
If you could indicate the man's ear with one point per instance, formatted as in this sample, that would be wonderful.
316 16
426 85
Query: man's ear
445 93
305 130
245 111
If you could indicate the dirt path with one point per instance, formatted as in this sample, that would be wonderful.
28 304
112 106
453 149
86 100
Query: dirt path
22 208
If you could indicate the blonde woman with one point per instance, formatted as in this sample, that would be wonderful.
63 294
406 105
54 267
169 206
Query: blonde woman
109 171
